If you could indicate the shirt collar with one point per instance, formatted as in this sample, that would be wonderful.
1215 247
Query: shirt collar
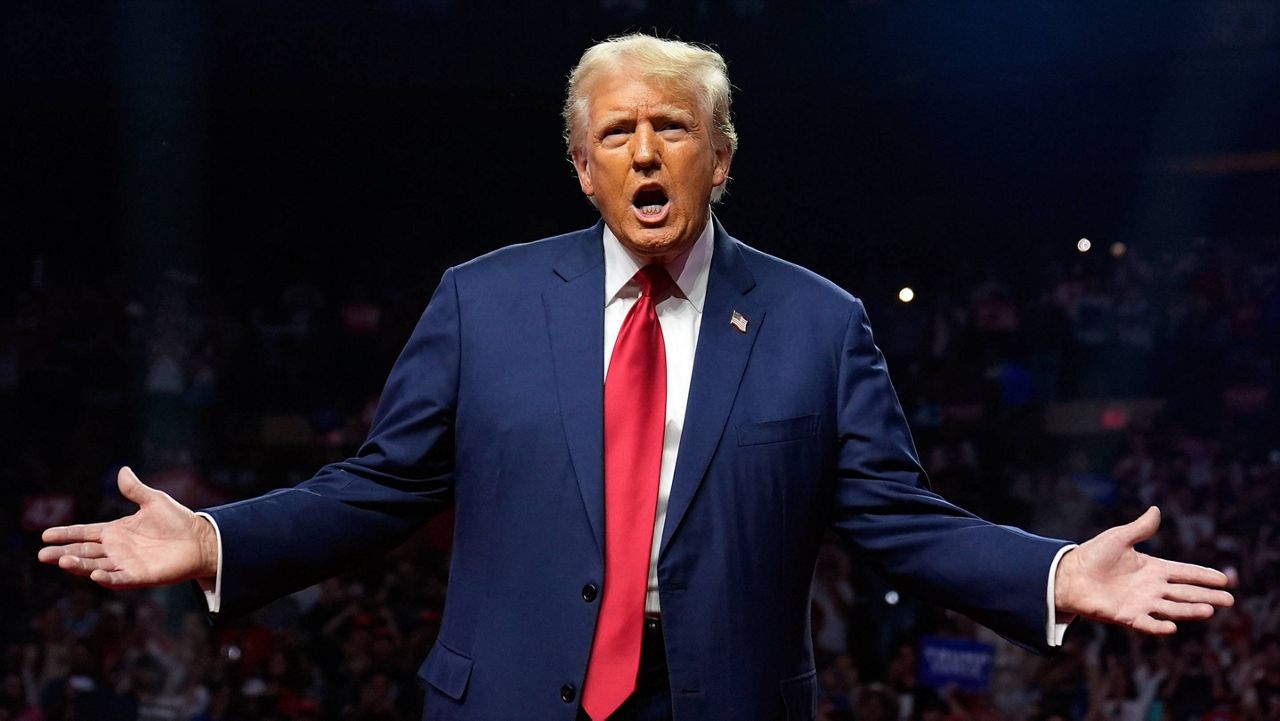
689 270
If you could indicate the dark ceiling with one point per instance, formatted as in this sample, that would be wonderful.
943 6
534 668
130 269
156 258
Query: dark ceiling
387 139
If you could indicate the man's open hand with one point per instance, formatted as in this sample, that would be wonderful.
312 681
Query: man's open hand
1107 579
163 543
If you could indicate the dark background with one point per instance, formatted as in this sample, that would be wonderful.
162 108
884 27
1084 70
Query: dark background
220 221
274 139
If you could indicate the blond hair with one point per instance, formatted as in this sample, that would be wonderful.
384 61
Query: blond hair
673 64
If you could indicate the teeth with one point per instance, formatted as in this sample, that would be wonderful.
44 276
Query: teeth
651 209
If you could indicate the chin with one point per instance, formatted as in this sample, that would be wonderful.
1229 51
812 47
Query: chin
655 246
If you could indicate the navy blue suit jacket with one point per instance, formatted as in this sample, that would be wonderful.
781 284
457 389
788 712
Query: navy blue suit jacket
496 407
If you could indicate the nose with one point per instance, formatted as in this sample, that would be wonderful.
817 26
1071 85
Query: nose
644 152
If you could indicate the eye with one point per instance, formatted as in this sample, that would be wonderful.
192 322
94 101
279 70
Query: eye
673 130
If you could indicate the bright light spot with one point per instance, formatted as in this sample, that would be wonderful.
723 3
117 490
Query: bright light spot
891 598
1118 249
1083 245
906 295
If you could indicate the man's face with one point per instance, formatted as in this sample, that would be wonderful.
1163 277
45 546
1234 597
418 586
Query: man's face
649 162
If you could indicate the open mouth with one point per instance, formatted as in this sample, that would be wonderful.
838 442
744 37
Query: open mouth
650 203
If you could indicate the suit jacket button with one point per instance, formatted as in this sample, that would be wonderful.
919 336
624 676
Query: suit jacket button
568 693
589 592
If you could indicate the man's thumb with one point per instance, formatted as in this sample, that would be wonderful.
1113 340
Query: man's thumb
131 487
1144 526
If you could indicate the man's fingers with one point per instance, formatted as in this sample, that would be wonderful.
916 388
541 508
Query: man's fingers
1143 527
1147 624
1198 594
113 579
51 554
73 534
1197 575
86 550
1176 611
84 566
132 487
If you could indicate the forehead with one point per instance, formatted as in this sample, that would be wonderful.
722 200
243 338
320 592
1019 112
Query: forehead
630 91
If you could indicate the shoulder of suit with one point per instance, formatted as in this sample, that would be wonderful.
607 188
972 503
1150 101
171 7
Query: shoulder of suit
530 265
779 277
523 260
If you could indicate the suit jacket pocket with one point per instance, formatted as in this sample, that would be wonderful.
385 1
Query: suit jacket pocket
787 429
447 670
800 696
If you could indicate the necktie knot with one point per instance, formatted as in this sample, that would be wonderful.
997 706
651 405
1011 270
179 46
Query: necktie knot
654 281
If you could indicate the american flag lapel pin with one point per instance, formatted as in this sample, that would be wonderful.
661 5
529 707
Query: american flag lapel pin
739 321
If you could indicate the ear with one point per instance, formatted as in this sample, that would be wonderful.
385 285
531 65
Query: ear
720 171
583 169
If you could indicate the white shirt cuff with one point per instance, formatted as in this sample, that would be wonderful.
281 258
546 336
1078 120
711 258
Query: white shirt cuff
1054 631
213 596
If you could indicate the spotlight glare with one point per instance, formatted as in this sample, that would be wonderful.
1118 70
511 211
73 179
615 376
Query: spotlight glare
906 295
892 598
1083 245
1118 249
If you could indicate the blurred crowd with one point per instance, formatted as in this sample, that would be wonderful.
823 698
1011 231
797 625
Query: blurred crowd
1063 400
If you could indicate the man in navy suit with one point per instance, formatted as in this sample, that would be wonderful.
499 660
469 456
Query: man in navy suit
645 428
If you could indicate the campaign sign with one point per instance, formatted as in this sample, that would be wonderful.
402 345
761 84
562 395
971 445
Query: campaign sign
948 661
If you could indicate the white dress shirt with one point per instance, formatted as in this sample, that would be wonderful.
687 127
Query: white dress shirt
680 316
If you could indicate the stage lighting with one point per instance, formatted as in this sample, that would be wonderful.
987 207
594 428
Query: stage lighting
1083 245
1118 249
906 295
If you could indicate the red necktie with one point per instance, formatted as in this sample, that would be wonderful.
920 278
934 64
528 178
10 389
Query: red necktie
635 414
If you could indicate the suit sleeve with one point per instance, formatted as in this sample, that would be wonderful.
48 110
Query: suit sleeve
995 574
352 510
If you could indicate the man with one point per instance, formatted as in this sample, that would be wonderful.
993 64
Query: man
645 428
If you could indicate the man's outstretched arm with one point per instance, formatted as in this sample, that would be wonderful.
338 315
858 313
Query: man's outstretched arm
1107 579
360 508
997 575
162 543
288 539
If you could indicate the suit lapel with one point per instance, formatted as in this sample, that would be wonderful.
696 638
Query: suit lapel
719 362
575 322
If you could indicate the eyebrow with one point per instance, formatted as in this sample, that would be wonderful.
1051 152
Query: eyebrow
619 114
